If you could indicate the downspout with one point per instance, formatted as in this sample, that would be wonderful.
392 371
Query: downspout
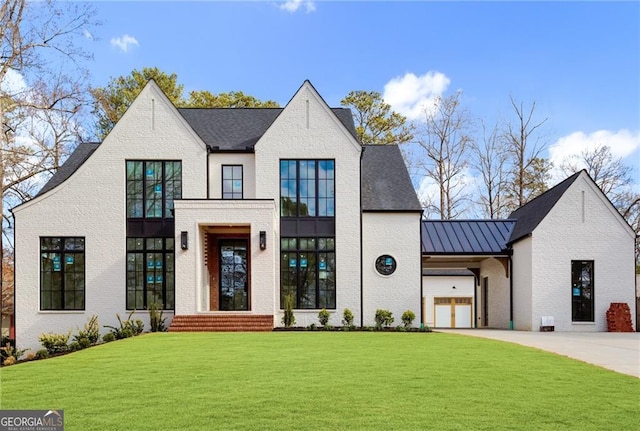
208 153
361 244
511 291
422 323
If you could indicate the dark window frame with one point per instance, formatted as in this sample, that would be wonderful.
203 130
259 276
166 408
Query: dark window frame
319 201
64 253
165 207
299 246
582 304
232 193
142 252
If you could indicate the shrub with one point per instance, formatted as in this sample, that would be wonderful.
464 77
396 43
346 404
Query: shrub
90 333
9 350
384 318
29 356
407 318
128 328
55 343
288 319
347 318
108 337
156 321
401 328
312 327
323 317
9 360
42 354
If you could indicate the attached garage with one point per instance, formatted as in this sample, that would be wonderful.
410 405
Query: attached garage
448 298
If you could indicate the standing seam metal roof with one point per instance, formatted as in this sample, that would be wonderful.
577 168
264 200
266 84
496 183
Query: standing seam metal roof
488 237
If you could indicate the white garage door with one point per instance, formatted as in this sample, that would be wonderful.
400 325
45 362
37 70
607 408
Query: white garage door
453 312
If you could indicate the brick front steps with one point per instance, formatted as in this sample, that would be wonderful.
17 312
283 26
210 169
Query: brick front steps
222 323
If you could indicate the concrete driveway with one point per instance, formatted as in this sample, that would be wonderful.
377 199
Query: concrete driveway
617 351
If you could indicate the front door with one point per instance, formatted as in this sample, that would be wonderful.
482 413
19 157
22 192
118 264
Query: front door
234 283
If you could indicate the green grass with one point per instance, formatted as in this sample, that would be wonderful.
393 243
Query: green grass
322 381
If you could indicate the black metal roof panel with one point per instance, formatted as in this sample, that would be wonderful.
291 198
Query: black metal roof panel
385 182
531 214
75 160
488 237
236 129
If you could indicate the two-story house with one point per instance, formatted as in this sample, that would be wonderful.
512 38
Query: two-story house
216 215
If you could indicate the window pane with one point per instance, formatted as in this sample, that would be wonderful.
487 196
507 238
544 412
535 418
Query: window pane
582 291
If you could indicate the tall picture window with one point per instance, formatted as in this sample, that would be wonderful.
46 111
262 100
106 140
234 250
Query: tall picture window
307 188
308 272
582 291
62 273
151 188
150 273
232 185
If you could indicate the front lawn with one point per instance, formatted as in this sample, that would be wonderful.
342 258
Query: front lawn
321 381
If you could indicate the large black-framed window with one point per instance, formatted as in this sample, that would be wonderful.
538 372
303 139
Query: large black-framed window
308 272
62 273
582 291
307 188
150 273
152 186
232 182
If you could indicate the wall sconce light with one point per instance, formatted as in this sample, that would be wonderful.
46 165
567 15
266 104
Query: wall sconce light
263 240
184 240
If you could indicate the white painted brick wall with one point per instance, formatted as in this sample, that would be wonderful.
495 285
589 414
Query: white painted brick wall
216 160
564 235
91 204
498 293
318 135
398 235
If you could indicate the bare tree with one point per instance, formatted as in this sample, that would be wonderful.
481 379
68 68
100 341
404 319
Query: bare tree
614 179
489 160
42 89
529 170
446 141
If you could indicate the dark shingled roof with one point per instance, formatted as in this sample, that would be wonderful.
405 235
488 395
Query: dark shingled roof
386 185
236 129
75 160
471 237
531 214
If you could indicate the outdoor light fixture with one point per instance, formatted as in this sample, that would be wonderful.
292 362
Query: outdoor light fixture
184 240
263 240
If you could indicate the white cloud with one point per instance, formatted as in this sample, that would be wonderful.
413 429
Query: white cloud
292 6
13 82
409 95
124 42
623 144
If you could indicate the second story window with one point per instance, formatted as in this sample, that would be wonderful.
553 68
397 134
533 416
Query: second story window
307 188
232 186
151 188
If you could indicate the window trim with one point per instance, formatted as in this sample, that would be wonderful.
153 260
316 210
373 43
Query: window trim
232 179
63 254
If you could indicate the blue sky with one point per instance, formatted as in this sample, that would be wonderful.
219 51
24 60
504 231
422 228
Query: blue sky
579 61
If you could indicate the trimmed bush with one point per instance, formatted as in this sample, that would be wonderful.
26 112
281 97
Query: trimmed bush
55 343
323 317
384 318
347 319
108 337
42 354
407 318
128 328
90 334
